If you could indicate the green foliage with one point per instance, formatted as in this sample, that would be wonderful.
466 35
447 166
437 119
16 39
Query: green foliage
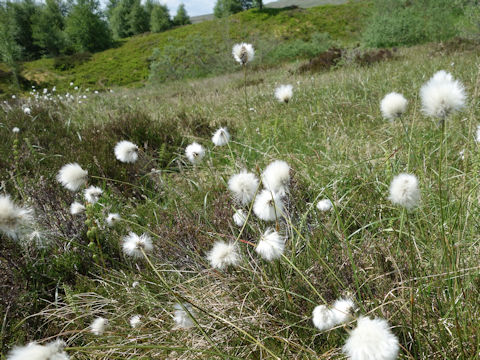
24 13
85 27
225 8
119 17
299 48
160 18
48 26
10 50
181 17
408 23
138 18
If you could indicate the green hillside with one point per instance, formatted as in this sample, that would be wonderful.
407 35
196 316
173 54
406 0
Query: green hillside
128 64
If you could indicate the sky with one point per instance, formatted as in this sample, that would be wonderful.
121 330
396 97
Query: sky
194 7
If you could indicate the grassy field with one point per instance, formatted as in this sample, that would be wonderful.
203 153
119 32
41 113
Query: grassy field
417 269
128 64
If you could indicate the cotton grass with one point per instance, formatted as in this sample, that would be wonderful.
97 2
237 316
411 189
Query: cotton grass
268 206
276 177
92 194
284 93
239 217
34 351
133 245
97 327
404 191
126 151
72 176
223 255
393 105
195 153
243 186
76 208
13 217
271 245
326 317
442 95
324 205
182 318
221 137
371 339
243 53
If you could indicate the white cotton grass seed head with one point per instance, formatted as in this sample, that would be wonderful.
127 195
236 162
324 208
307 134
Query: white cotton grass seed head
15 130
195 153
243 53
181 317
72 176
323 318
13 217
223 255
76 208
113 218
393 105
135 321
268 206
35 351
92 194
126 152
239 217
404 191
221 137
342 310
243 186
371 339
133 245
271 245
284 93
477 134
442 95
324 205
97 327
27 111
276 177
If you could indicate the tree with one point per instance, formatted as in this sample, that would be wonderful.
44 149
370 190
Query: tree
10 51
48 25
181 18
225 8
24 13
86 28
258 4
138 19
119 19
160 18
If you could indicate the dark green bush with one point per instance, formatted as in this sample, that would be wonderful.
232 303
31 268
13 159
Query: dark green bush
67 62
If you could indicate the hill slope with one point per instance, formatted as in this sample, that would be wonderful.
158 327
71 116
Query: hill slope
128 64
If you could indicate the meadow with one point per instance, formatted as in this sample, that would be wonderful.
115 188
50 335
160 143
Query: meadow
417 268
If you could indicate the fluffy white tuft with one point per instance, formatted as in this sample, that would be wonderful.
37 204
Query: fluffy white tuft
76 208
323 318
393 105
239 217
276 177
15 130
442 95
477 134
223 255
324 205
34 351
221 137
195 153
126 151
404 191
243 53
135 321
326 317
72 176
284 93
182 319
243 186
133 244
113 218
371 339
268 206
27 111
97 327
92 194
271 245
13 217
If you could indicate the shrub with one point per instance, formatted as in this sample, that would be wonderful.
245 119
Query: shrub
407 23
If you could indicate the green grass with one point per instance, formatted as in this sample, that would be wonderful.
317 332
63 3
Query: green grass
395 265
128 64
